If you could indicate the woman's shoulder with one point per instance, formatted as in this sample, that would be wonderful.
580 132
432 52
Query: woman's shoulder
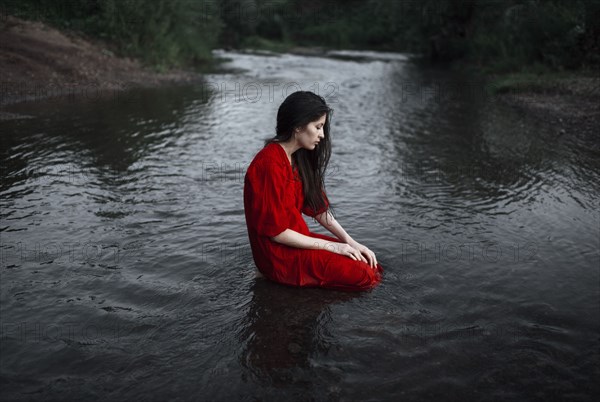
268 159
272 149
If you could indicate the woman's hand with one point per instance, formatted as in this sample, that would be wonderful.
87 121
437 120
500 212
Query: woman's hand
345 249
364 250
356 251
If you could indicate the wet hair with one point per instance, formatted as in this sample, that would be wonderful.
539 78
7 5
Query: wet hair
296 111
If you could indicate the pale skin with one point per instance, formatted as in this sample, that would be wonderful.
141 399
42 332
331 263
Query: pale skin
308 138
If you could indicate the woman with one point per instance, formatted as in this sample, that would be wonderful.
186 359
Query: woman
284 179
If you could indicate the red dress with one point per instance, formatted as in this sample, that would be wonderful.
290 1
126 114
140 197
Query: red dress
273 199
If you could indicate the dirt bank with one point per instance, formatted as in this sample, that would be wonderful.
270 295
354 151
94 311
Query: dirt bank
38 61
569 103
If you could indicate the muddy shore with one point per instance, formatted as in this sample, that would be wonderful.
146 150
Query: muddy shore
570 104
38 61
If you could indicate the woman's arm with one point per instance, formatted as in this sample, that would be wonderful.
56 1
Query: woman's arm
330 223
292 238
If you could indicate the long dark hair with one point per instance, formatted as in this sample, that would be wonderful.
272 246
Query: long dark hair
296 111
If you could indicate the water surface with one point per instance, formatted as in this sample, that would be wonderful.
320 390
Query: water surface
126 270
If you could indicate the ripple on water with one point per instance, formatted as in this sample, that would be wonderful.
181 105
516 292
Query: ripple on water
123 237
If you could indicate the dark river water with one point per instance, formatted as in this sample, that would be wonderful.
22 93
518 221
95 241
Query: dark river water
126 271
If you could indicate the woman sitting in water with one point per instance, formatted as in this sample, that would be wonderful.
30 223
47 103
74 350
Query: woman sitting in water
284 179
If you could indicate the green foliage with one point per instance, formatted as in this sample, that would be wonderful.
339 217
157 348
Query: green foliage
257 42
533 32
162 33
522 81
498 35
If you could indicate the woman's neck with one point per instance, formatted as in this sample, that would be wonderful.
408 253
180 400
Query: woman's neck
289 150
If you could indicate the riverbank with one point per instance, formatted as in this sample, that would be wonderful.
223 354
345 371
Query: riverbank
38 61
568 100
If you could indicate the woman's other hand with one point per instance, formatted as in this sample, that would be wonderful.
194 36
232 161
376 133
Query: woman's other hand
348 250
364 252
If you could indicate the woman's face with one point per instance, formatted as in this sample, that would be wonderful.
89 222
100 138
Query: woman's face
309 136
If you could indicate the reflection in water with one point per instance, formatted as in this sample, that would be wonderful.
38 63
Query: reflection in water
285 327
88 138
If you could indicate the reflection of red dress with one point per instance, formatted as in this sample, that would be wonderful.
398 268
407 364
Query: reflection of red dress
273 199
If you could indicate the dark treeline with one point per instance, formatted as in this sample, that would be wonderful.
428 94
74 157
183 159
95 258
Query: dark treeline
501 35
